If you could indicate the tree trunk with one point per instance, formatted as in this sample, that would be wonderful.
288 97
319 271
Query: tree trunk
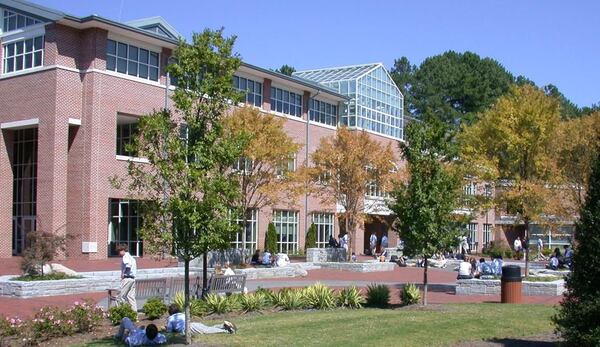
426 265
526 247
346 221
204 274
244 240
186 292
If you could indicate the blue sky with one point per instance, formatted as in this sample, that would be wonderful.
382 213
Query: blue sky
548 41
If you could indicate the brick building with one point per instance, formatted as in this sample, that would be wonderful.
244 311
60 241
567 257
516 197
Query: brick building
72 89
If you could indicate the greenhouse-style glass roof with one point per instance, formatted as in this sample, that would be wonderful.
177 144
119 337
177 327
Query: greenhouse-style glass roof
336 73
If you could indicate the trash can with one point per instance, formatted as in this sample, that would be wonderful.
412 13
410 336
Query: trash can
511 284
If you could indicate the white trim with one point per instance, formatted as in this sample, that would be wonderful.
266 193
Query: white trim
25 71
20 124
284 115
74 121
322 125
129 77
132 159
23 33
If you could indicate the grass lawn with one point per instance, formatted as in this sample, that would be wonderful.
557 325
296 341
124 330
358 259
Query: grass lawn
439 325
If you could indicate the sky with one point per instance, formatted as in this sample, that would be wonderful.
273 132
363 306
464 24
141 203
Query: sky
548 41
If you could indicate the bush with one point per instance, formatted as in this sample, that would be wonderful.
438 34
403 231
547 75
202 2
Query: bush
271 239
10 327
350 297
292 300
499 249
154 308
217 304
311 237
410 294
41 249
253 302
378 295
318 296
268 294
117 313
277 299
86 316
50 277
546 252
50 322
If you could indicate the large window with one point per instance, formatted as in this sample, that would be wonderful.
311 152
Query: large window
24 168
243 165
287 102
251 231
469 189
132 60
286 224
472 227
324 224
23 55
290 166
323 112
252 90
125 221
487 234
13 21
127 130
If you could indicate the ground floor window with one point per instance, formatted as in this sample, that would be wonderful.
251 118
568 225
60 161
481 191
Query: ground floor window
251 231
472 227
24 203
487 234
125 221
324 224
286 224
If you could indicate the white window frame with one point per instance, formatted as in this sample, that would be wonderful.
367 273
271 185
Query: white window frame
470 189
248 92
322 220
252 242
273 107
487 234
286 246
22 36
472 228
3 16
130 43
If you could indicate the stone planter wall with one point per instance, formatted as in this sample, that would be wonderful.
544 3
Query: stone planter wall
323 255
359 267
492 287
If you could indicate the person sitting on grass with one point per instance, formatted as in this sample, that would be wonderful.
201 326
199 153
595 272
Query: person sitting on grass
464 270
176 324
553 264
134 336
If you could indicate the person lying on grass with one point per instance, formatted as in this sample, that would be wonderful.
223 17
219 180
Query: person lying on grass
134 336
176 324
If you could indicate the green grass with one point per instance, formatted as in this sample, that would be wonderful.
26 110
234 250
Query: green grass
50 277
436 326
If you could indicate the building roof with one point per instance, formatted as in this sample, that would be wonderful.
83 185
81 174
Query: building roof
341 73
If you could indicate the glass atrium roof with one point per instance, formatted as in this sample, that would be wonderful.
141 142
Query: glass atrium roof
336 73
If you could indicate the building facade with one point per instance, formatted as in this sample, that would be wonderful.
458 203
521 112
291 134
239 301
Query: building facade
72 90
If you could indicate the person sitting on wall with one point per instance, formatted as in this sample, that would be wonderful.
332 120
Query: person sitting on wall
255 257
266 259
553 263
282 260
176 324
465 270
567 257
134 336
353 257
485 269
333 242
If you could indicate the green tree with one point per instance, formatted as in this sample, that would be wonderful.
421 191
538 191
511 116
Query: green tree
271 239
511 146
266 169
424 205
311 237
403 74
577 320
567 108
286 70
187 185
454 87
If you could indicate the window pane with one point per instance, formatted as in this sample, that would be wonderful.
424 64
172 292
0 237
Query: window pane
19 46
29 45
143 73
154 73
111 63
122 50
19 63
133 53
121 65
111 47
37 58
153 59
38 43
28 60
143 56
132 68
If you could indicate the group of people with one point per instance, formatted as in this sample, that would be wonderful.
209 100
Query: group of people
149 335
470 268
558 260
342 241
521 247
268 259
374 240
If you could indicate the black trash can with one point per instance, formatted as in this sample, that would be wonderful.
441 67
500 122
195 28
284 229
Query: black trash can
511 283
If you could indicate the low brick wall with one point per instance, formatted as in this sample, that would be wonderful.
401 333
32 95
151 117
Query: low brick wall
359 267
492 287
322 255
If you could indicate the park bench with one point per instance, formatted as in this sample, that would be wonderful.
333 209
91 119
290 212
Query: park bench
220 284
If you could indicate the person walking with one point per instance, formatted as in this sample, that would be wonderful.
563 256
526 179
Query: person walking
384 242
518 247
128 272
373 244
540 247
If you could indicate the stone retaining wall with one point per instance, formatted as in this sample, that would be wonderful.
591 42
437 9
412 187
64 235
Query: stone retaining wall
322 255
492 287
359 267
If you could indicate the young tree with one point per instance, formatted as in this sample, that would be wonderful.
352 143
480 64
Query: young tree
185 185
311 237
511 145
424 205
343 166
271 239
577 320
265 176
41 249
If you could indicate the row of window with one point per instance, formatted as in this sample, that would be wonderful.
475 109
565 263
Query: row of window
125 221
286 102
13 21
23 55
132 60
472 232
471 189
252 90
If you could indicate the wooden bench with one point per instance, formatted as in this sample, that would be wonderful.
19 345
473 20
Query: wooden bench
220 284
144 289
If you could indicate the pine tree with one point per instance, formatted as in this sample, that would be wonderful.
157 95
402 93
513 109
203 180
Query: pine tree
578 318
311 237
271 239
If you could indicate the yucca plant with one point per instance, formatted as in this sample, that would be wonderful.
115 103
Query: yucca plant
350 297
253 302
378 295
278 298
197 306
217 304
318 296
410 294
292 300
267 294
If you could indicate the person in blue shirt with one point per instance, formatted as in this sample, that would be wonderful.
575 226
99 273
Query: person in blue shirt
485 269
176 324
134 336
266 259
497 264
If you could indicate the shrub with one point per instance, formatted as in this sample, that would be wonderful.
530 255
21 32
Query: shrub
86 316
410 294
50 322
292 300
546 252
278 298
154 308
268 294
118 312
197 306
318 296
41 249
217 304
311 237
271 238
378 295
253 302
350 297
10 327
499 249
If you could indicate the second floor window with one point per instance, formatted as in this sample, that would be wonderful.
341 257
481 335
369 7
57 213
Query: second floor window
127 130
469 189
13 21
23 55
287 102
323 112
252 90
132 60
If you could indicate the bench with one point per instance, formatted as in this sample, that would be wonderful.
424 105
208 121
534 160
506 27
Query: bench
220 284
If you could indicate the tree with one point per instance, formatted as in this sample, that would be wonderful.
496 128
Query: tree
511 145
41 249
577 320
403 74
567 108
424 205
264 170
453 87
311 237
271 238
186 184
343 166
286 70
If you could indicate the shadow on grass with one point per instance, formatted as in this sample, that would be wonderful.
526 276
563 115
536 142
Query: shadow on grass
514 342
173 340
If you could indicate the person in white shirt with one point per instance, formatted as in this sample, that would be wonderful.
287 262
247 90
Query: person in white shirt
128 272
227 271
518 247
540 247
345 240
464 270
176 324
282 260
